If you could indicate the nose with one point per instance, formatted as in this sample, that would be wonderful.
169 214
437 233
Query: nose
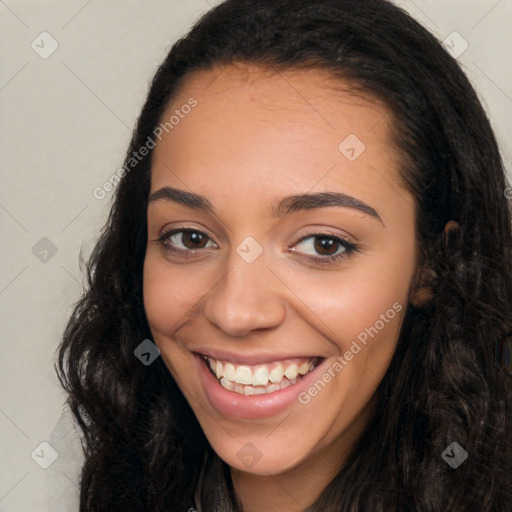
245 299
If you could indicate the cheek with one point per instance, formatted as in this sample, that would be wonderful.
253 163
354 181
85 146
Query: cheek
165 306
169 293
350 303
375 306
363 305
160 296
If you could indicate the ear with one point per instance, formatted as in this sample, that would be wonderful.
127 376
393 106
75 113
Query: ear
421 291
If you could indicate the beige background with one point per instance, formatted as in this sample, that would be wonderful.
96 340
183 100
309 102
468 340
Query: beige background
65 124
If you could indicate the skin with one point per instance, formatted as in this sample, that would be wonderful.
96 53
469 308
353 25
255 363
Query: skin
254 137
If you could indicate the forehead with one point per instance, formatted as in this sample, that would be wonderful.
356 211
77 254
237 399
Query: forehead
294 129
294 90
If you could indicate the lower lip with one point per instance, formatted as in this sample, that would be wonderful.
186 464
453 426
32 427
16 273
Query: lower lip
249 407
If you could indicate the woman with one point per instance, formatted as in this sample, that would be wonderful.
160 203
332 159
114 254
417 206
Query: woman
303 290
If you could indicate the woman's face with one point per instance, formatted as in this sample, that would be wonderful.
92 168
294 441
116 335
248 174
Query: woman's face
281 249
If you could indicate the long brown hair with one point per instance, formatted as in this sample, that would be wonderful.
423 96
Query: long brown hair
143 444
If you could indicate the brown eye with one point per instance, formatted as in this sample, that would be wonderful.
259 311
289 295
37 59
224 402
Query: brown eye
183 240
193 239
323 245
324 249
326 246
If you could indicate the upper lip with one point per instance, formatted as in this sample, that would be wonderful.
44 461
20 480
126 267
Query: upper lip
250 359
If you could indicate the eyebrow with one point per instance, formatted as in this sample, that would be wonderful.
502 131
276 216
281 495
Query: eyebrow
284 207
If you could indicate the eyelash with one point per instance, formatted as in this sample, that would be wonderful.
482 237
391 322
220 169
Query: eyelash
349 247
330 260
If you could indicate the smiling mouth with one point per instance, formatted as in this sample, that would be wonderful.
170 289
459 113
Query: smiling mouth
260 379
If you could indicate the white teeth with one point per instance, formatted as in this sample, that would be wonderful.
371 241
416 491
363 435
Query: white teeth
260 377
227 384
276 374
259 390
229 372
243 375
285 383
292 371
250 390
304 368
219 370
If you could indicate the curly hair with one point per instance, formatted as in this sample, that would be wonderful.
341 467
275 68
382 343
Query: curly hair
143 445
